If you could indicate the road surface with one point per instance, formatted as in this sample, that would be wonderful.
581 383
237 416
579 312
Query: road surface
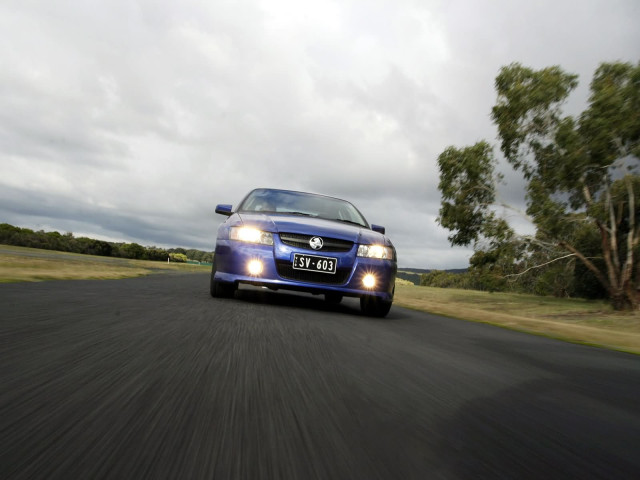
152 378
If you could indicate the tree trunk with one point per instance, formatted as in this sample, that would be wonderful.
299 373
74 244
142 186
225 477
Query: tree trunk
621 301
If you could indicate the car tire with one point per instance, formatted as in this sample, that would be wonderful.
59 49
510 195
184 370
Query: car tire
374 306
333 298
220 289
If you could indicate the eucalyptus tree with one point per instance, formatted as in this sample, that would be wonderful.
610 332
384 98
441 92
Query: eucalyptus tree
581 173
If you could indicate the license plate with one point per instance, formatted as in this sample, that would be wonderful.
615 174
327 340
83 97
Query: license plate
314 263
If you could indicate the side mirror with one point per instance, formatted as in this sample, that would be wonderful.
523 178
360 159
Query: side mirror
224 210
377 228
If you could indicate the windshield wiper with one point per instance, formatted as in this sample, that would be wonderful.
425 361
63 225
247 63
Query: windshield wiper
343 220
300 213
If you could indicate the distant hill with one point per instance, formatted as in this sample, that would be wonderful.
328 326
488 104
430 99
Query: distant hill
413 274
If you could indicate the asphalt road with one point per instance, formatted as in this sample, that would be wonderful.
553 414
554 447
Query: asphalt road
152 378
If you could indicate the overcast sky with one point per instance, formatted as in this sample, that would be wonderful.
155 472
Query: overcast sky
130 120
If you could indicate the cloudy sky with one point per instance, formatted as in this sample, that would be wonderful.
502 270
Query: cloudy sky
130 120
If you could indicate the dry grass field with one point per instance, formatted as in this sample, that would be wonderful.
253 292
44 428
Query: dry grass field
574 320
19 264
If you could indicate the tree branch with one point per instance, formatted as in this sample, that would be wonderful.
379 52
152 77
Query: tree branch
586 193
540 266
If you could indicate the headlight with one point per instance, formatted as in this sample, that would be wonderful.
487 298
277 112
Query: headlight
251 235
375 251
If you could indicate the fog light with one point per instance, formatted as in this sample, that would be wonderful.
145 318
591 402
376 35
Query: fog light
255 267
369 281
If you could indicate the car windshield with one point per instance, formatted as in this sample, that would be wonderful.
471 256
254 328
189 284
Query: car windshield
297 203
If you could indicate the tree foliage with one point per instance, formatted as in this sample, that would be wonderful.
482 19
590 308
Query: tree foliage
467 186
581 175
443 279
178 257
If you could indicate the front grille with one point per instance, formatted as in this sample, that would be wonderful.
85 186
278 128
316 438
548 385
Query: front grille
302 241
286 270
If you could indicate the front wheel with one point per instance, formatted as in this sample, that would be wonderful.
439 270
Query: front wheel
374 306
220 289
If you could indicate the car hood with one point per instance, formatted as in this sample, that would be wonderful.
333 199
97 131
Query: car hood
313 226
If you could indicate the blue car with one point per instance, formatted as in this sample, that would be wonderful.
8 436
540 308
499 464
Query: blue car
289 240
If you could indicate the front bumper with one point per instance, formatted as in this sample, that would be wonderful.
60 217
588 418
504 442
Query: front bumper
232 259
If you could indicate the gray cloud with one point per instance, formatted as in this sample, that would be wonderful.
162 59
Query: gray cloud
131 120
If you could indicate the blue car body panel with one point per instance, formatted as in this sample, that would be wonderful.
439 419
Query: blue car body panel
233 256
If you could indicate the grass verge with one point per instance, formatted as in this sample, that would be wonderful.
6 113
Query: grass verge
576 320
20 264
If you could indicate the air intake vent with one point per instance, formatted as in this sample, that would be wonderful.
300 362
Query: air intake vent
302 241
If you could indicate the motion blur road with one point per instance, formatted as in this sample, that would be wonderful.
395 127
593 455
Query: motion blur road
152 378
